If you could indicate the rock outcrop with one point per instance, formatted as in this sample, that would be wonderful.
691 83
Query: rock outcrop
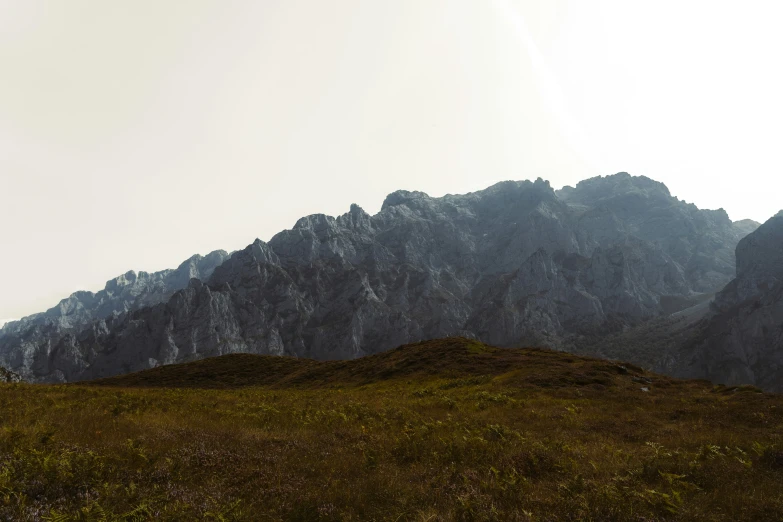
517 263
7 376
741 341
22 342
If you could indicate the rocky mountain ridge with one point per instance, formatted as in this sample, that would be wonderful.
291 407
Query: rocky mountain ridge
22 339
741 341
517 263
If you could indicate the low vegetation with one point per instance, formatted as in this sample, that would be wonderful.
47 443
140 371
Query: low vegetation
437 431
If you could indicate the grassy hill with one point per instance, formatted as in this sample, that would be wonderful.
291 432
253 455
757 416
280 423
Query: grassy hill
436 431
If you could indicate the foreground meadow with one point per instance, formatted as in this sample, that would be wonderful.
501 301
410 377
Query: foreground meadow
443 430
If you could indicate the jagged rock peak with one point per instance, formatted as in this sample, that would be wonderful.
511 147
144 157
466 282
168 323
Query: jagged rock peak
513 263
540 189
262 252
356 217
762 251
125 292
128 278
258 250
539 184
217 256
314 222
402 197
245 261
622 183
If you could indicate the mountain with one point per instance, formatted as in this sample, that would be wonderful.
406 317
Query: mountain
515 264
741 341
24 344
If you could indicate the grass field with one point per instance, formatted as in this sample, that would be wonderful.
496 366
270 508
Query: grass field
437 431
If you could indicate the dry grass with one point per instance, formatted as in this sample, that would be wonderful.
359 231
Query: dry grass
444 430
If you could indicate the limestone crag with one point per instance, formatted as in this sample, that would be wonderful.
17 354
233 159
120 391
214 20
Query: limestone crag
516 263
741 342
25 341
9 376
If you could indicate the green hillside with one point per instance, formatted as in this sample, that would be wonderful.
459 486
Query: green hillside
436 431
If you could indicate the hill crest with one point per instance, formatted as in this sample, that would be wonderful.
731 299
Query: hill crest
449 358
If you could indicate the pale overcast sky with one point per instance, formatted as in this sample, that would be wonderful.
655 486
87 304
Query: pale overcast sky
135 134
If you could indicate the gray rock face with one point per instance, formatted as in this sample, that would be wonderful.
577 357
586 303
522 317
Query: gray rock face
22 342
9 376
741 342
701 242
514 264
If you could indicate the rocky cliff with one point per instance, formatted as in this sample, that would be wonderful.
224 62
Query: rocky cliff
22 342
517 263
9 376
741 341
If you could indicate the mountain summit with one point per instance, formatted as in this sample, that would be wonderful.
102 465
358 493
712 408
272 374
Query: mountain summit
515 264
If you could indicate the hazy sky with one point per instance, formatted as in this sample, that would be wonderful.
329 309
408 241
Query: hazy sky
135 134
